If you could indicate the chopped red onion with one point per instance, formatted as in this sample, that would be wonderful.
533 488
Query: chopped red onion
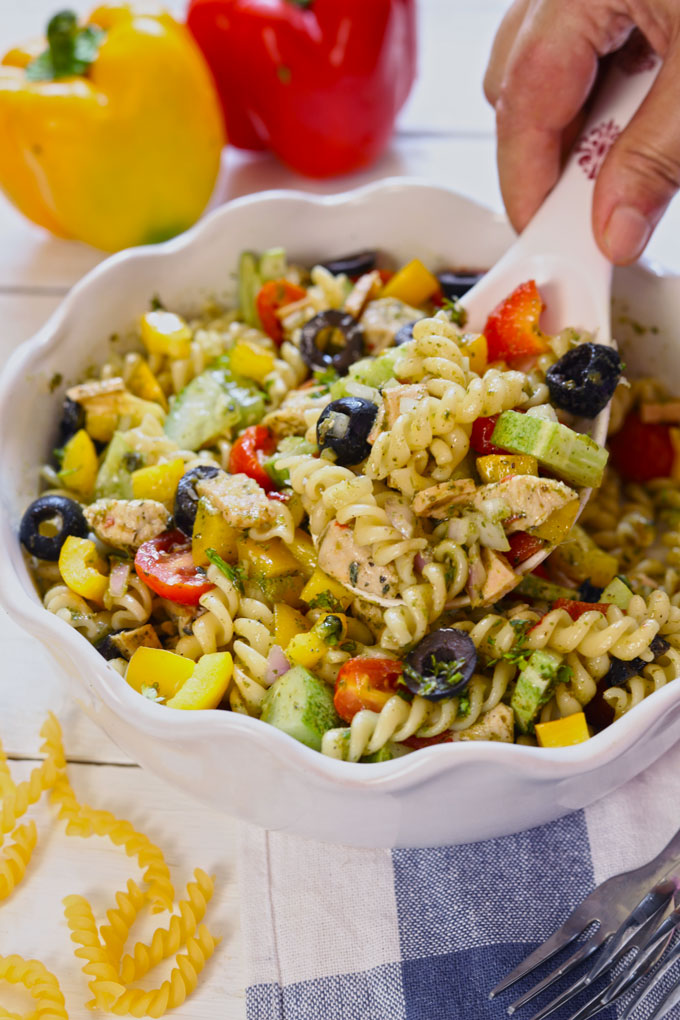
119 578
277 665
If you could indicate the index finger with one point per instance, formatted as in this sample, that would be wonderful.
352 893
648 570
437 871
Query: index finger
549 75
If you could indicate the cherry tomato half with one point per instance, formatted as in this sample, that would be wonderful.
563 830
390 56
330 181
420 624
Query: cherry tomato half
577 609
165 565
365 683
247 453
272 296
480 437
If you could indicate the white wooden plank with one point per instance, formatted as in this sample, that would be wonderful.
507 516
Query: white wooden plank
32 922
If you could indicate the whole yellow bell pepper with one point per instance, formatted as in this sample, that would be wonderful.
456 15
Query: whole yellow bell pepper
113 134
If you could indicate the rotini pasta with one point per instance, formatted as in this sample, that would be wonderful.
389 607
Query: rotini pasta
38 981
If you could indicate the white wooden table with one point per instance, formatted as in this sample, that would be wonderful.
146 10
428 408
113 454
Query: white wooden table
446 134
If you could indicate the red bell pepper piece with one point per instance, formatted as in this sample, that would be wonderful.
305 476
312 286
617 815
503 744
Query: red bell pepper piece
247 454
319 82
577 609
522 547
512 329
640 452
274 295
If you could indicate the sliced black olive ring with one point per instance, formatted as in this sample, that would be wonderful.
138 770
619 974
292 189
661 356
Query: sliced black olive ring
352 265
319 341
583 381
344 426
441 665
455 285
186 498
48 522
404 334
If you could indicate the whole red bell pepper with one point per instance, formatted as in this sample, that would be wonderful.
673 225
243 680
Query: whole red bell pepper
319 82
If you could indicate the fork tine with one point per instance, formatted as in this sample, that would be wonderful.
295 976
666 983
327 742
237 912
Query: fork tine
646 987
581 954
640 921
669 1000
571 928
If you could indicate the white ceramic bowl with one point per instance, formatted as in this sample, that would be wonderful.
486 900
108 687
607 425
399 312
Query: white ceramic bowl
444 794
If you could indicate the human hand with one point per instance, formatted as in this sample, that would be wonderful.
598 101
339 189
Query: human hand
542 68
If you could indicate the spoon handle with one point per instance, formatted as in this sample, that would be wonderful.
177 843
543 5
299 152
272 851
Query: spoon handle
567 209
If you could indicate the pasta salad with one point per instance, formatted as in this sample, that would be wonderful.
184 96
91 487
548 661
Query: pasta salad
322 508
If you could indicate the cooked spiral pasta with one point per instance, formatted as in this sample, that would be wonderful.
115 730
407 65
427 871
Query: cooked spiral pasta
214 628
15 857
75 611
133 608
165 942
172 993
251 648
105 984
39 982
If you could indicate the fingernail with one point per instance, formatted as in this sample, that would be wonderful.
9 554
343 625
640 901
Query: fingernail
626 234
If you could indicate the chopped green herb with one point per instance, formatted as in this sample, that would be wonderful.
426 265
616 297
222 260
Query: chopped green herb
235 574
439 674
55 382
324 600
150 691
58 454
330 630
348 646
463 704
156 304
457 313
353 572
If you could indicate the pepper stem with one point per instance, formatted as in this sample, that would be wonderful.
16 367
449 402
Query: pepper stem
70 49
62 32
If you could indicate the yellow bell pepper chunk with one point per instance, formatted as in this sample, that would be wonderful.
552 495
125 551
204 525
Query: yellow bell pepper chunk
413 284
207 685
288 623
581 559
559 524
165 333
268 559
123 151
309 649
573 729
158 481
251 361
496 466
156 667
320 585
304 551
211 531
143 383
83 569
476 348
79 465
110 411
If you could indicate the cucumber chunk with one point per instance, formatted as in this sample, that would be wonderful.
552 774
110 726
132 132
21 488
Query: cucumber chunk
114 478
249 284
534 687
570 455
212 405
388 752
617 593
273 265
302 706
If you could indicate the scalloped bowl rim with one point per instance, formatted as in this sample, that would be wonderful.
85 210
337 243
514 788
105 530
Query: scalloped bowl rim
150 719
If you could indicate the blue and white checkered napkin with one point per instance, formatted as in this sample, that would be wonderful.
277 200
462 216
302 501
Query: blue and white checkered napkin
334 933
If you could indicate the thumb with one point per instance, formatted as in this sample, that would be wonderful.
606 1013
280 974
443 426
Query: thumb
641 173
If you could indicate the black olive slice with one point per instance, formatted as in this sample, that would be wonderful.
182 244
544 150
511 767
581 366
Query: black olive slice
186 498
352 265
440 666
344 426
62 516
620 671
404 334
319 341
72 420
455 285
583 381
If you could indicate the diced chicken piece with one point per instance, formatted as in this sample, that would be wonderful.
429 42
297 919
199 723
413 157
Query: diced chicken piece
240 500
181 618
127 523
126 642
500 577
95 388
382 320
529 500
353 566
378 425
476 577
667 412
401 399
400 514
498 724
289 418
367 286
437 499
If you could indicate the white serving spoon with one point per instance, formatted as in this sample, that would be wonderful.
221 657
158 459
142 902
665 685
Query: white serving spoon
557 249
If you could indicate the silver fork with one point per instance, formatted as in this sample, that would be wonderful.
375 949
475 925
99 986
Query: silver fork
611 906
